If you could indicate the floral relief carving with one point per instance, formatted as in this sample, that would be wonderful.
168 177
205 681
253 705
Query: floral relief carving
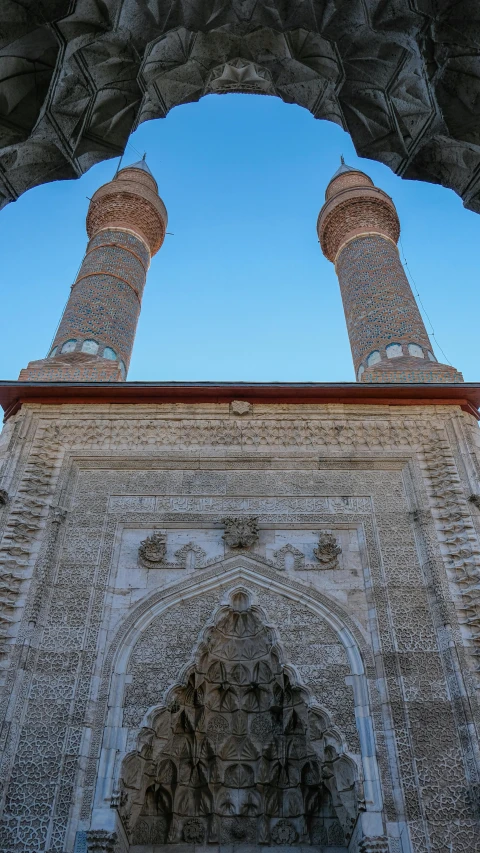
240 531
238 753
327 551
152 551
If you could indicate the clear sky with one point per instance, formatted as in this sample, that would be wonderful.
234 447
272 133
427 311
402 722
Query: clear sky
241 291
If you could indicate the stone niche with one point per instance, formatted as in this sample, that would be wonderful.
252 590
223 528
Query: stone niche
239 754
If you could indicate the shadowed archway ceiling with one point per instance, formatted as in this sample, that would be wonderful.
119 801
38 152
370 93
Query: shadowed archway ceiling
401 76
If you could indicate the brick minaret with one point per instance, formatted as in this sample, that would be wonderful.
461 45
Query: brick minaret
358 228
126 224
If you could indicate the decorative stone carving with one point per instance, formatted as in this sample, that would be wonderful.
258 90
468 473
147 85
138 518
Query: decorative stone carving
191 556
284 833
475 500
240 408
377 844
289 552
237 746
194 831
101 841
327 551
3 497
240 531
175 54
152 551
57 515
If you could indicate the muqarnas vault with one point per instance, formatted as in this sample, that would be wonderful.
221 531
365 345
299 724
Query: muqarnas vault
240 618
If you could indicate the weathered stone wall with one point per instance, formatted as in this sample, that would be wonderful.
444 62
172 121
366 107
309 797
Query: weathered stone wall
383 636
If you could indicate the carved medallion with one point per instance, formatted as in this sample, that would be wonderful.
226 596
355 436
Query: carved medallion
240 532
284 833
193 831
152 551
327 551
240 408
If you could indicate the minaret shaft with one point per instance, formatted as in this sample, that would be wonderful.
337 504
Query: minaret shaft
104 306
126 225
358 228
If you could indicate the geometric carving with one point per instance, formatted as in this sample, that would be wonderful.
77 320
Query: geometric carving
240 532
289 555
327 551
152 551
191 556
238 754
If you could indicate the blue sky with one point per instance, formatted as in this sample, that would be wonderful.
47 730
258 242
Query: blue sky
241 291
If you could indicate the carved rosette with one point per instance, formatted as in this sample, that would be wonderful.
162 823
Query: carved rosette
240 531
327 551
152 551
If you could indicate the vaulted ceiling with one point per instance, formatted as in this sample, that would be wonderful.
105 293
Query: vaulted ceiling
401 76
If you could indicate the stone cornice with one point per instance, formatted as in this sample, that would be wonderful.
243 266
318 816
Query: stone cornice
15 394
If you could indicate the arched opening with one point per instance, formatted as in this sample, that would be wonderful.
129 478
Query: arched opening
386 77
239 754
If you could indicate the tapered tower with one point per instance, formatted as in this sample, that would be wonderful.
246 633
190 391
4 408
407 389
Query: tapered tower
358 229
126 225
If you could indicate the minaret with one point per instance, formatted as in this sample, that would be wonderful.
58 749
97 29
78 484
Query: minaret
358 229
126 225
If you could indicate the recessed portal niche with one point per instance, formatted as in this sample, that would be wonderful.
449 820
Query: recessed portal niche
239 754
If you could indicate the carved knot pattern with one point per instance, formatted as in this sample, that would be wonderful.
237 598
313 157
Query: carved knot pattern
240 532
327 551
281 556
101 841
152 551
191 556
238 746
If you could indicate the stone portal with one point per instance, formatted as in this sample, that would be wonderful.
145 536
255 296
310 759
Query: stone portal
239 754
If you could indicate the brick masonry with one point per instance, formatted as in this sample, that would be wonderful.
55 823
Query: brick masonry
126 224
358 229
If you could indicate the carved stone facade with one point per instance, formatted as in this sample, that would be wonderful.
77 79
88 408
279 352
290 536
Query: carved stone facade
401 77
236 693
